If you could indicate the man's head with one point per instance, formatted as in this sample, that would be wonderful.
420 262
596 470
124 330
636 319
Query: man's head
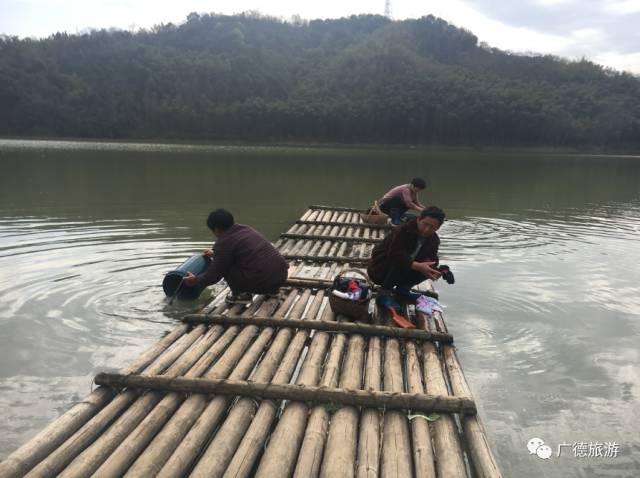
418 184
430 220
219 221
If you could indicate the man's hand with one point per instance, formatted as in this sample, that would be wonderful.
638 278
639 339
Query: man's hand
208 253
189 279
428 269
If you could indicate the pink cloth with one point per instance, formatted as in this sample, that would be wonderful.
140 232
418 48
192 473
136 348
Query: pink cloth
404 191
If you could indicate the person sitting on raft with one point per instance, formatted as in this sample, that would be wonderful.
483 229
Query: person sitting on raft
400 199
407 256
246 260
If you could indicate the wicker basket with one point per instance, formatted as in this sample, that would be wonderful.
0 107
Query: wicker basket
374 215
352 309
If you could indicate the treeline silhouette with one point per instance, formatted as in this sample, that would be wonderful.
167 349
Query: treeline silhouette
359 79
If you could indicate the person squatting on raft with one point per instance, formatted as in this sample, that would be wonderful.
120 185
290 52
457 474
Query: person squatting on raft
407 256
396 202
246 260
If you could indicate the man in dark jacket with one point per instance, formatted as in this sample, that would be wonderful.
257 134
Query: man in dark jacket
243 257
408 255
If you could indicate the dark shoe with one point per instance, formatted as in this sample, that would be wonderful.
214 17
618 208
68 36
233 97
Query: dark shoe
447 275
406 293
242 298
387 300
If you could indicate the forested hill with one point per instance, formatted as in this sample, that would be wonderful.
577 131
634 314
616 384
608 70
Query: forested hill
361 79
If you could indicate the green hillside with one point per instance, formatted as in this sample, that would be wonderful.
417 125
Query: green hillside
358 79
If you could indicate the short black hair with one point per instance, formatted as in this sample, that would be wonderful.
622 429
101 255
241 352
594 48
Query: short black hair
419 183
434 212
220 219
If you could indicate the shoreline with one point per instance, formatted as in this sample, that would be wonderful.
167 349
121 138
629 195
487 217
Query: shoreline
591 151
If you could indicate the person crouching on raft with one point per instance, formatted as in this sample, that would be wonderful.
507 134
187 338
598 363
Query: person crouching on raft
246 260
408 255
396 202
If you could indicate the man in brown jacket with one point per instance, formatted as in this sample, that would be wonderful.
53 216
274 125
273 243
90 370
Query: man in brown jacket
408 255
246 260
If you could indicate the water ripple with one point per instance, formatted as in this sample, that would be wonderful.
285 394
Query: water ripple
89 267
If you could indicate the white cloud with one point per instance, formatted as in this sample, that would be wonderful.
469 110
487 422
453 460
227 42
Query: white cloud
620 61
592 43
547 3
621 7
494 32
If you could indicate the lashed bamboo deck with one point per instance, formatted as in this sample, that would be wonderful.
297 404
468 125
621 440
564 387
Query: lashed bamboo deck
247 391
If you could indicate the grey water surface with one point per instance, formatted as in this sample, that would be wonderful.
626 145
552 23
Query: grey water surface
545 248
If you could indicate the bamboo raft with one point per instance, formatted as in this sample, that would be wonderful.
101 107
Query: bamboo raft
280 387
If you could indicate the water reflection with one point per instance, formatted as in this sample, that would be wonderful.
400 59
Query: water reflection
544 310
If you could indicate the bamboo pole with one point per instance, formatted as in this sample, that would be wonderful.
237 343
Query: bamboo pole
340 451
330 223
287 436
326 214
315 247
289 251
345 224
315 435
331 327
199 416
388 399
449 461
338 258
250 447
221 450
91 430
319 207
326 246
484 462
139 438
396 442
421 438
369 438
157 452
44 443
308 214
294 281
358 239
101 447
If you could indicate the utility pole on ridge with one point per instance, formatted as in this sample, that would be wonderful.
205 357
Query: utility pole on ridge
387 9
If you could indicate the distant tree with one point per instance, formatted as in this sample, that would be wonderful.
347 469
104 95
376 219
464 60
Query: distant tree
359 79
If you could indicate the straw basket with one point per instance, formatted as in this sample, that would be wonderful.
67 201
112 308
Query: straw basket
374 215
352 309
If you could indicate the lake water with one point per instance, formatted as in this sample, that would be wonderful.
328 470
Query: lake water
545 309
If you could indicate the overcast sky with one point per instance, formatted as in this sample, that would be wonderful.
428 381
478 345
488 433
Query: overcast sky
604 31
